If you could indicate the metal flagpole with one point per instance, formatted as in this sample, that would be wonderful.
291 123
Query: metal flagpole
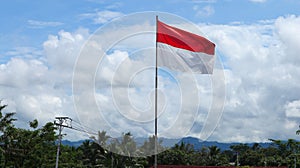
155 117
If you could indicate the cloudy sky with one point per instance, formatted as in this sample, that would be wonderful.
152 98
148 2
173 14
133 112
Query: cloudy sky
92 60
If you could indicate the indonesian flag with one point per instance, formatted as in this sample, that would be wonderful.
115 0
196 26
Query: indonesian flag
183 51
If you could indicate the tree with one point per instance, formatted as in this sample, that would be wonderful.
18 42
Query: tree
213 155
6 120
173 157
124 153
36 147
286 151
7 131
93 154
270 156
101 138
179 154
201 156
86 152
26 148
148 146
148 149
298 131
128 150
70 157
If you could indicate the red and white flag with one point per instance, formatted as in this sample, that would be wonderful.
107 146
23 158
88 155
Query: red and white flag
183 51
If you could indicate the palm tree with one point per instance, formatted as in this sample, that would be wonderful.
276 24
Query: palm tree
214 155
298 131
6 127
5 120
128 146
214 150
101 138
85 147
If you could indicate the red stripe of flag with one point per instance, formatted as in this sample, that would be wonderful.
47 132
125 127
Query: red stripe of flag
183 39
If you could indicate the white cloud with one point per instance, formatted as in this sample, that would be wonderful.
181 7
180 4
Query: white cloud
100 17
61 52
204 1
258 1
287 29
27 52
37 84
292 109
204 11
43 24
114 5
262 74
124 87
23 73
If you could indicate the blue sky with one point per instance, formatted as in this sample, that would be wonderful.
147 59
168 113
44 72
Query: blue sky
18 30
256 40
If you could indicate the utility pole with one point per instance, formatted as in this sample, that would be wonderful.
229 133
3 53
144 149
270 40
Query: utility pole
61 122
295 160
237 159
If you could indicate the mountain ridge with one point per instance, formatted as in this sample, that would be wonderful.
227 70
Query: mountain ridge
169 142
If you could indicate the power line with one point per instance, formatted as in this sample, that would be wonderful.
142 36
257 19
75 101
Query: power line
67 122
84 131
86 128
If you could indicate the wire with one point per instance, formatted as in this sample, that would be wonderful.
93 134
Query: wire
82 130
77 126
84 127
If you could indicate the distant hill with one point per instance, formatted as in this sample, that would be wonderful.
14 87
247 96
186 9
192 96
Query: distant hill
198 144
72 143
166 142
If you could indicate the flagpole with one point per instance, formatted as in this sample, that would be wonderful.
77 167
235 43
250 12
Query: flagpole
155 117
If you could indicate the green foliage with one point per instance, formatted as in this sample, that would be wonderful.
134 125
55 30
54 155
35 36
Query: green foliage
26 148
36 147
34 124
6 121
